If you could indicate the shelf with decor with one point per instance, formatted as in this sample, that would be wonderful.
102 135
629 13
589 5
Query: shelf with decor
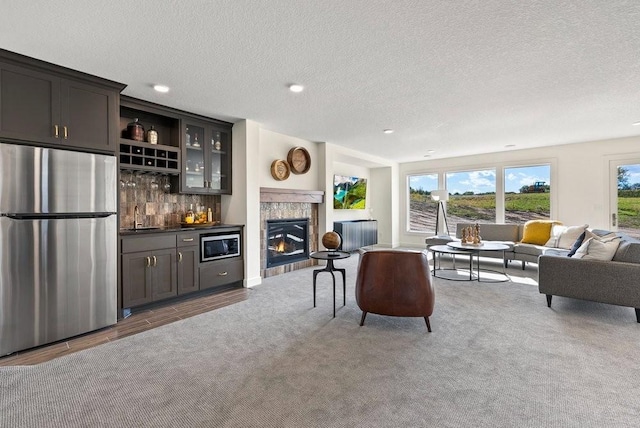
194 150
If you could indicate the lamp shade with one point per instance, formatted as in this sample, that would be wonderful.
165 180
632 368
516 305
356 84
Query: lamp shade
440 195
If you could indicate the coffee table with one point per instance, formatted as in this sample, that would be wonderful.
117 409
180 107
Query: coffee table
458 248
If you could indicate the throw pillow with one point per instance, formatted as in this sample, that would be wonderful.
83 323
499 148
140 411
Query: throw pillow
537 231
596 248
577 244
556 231
564 236
569 236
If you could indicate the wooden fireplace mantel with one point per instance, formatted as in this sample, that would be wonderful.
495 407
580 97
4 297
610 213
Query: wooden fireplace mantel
272 194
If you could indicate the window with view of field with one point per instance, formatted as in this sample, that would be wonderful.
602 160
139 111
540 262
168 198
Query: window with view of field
628 201
422 210
472 196
527 193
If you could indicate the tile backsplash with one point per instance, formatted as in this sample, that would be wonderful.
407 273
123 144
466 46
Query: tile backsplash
158 204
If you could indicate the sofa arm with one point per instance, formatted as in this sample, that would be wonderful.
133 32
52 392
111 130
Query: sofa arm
616 283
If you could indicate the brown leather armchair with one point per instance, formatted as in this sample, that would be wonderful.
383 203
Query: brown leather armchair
396 283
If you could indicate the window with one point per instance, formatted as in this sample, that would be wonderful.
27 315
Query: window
422 210
527 193
626 202
472 196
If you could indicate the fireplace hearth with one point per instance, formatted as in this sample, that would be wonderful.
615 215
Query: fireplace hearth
287 241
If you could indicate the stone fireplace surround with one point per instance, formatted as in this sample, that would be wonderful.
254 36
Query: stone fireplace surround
279 204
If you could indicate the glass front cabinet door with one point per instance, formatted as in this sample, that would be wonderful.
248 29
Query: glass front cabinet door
206 158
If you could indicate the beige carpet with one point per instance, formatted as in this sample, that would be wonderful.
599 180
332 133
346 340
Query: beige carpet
497 357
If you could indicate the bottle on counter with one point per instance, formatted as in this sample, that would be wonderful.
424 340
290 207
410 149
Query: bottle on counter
209 215
189 217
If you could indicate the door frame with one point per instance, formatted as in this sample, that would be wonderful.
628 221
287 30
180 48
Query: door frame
613 162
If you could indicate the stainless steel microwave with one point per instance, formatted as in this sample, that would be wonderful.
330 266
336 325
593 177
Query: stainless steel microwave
215 247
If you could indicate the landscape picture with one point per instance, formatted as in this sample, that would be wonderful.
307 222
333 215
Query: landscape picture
349 193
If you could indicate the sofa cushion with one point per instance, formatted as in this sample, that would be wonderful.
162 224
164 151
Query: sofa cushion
492 232
577 244
564 236
598 249
534 250
537 231
628 252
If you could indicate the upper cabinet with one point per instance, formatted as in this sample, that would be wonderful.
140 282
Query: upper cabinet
206 158
44 103
193 149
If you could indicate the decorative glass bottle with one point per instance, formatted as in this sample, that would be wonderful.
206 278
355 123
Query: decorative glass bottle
152 135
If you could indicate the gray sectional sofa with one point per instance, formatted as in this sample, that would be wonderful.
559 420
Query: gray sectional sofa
616 282
509 234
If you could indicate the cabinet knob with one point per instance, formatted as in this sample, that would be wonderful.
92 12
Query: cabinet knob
155 261
187 239
148 261
66 132
222 273
56 131
179 257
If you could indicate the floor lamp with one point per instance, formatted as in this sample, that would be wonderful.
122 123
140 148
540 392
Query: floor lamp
440 196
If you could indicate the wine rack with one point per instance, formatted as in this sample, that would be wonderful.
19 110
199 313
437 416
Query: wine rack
149 157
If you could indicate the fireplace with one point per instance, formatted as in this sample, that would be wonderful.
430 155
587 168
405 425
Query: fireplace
287 241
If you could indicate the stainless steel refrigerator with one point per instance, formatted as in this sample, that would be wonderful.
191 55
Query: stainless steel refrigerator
58 245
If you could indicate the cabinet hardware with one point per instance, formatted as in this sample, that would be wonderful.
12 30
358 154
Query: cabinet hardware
56 131
66 132
179 257
155 261
187 239
614 218
148 261
222 273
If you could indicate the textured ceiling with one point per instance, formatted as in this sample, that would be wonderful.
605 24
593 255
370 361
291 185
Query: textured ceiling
456 77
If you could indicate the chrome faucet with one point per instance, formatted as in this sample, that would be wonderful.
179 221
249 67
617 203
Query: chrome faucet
136 214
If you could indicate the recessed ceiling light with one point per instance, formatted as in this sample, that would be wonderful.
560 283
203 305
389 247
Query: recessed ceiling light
388 131
296 88
427 156
431 151
508 146
636 123
161 88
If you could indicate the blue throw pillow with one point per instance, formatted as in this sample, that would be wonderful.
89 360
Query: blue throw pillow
576 244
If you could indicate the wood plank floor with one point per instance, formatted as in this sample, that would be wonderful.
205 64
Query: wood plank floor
138 322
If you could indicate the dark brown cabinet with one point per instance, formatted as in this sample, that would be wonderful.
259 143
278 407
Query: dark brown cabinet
206 158
136 279
158 266
43 103
164 274
149 270
188 262
163 157
195 150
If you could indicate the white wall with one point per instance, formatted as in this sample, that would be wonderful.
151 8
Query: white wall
243 206
255 148
350 170
580 179
276 146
